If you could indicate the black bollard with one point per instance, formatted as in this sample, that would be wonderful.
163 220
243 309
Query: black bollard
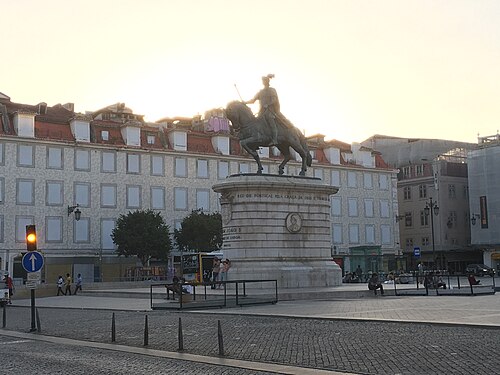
181 339
4 319
38 325
219 336
113 329
146 332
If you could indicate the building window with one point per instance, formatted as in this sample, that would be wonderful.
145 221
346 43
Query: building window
2 154
25 156
21 222
108 196
222 170
133 163
385 234
25 192
180 169
422 191
352 204
202 168
105 135
425 241
353 233
54 193
318 173
407 193
53 229
369 212
133 196
383 182
82 194
424 219
408 219
244 168
406 172
368 181
384 208
452 193
419 170
452 220
157 165
203 200
337 233
82 160
81 230
151 139
370 234
54 158
157 198
335 178
2 190
180 199
108 161
352 180
1 228
336 203
409 243
107 226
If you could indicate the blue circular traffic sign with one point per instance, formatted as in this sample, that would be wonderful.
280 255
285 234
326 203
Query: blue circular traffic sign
32 261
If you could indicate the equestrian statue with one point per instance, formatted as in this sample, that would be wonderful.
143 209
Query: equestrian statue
269 128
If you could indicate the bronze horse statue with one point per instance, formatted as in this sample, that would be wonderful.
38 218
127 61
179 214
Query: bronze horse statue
254 132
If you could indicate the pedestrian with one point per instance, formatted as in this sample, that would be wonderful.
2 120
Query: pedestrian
226 265
359 273
78 283
215 272
60 283
68 284
10 286
374 284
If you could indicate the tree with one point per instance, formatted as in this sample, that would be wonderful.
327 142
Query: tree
143 234
200 232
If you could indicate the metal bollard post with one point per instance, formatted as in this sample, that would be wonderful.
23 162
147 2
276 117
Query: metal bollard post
146 331
181 339
219 336
4 319
38 325
113 329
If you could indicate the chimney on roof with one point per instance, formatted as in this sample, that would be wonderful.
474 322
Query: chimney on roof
42 108
69 106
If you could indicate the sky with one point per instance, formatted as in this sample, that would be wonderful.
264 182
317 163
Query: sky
344 69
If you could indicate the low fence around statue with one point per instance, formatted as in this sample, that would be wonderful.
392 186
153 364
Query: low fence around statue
424 285
213 295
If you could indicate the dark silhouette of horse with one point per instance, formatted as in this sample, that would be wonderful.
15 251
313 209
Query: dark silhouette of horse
254 132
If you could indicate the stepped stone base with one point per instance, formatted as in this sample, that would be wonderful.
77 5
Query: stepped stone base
278 227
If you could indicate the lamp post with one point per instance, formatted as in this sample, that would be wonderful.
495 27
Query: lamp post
431 208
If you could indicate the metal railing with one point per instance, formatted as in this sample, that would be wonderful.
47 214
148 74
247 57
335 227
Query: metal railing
203 295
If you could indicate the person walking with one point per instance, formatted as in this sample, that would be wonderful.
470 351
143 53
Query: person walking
60 283
359 273
226 265
215 272
10 286
68 283
78 283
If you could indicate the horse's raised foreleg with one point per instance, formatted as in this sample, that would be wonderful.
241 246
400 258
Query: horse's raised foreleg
285 151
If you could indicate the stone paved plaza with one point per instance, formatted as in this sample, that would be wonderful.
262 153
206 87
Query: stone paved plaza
390 335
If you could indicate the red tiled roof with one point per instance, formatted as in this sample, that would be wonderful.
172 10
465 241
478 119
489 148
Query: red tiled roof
52 131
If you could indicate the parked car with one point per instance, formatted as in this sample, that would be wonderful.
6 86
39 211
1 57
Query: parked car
480 270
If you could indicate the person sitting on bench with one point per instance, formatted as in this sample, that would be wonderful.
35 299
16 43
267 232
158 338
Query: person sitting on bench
472 280
374 284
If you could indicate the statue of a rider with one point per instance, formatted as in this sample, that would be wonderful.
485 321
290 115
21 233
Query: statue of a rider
270 108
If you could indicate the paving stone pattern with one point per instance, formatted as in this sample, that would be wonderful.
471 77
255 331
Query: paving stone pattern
367 347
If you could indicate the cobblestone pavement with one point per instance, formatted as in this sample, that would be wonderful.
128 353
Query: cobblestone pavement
21 357
366 347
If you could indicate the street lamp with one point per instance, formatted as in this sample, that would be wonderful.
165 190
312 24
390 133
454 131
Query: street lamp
78 213
474 216
431 208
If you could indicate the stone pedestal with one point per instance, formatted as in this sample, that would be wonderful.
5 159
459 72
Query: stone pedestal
278 227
